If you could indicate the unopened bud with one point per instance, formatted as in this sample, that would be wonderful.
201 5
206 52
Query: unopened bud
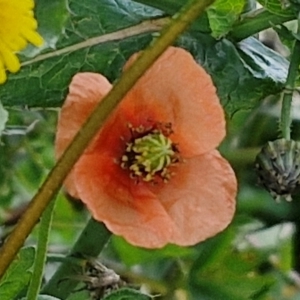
278 168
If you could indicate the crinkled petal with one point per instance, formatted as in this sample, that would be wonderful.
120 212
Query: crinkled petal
126 207
86 90
177 90
200 198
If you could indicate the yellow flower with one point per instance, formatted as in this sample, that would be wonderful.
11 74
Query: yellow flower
17 29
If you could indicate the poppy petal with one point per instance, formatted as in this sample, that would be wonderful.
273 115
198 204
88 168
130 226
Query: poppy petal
126 207
85 91
177 90
200 198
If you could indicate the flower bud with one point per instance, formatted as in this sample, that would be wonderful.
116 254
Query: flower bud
278 168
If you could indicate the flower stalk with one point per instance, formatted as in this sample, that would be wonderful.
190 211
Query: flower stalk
41 252
58 174
287 94
278 162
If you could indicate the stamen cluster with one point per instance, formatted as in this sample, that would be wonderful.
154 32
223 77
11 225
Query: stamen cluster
149 155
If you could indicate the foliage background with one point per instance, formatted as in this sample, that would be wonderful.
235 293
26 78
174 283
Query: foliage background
258 255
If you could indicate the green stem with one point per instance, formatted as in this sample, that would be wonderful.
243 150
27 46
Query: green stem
89 244
58 174
41 252
256 22
287 94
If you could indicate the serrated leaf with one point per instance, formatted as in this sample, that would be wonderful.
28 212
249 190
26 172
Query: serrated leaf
126 294
3 118
18 275
223 14
44 83
277 7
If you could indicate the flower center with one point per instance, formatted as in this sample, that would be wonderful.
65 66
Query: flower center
149 156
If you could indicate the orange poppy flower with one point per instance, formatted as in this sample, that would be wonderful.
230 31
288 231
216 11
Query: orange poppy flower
152 173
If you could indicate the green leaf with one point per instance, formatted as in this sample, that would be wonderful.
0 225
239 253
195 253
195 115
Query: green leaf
286 35
171 7
45 83
295 5
126 294
168 6
278 7
223 14
243 74
52 17
17 276
3 118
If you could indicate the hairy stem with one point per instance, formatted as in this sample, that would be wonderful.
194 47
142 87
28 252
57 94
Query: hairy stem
287 94
58 174
41 252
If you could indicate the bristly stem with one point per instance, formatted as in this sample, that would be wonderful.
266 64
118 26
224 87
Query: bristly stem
60 171
41 252
287 94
